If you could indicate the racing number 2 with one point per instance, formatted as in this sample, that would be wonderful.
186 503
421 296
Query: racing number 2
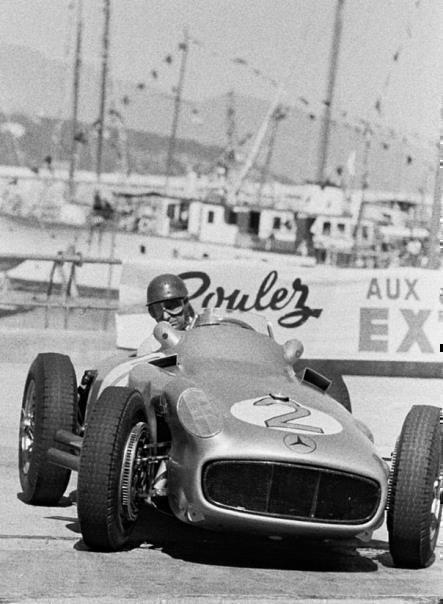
283 421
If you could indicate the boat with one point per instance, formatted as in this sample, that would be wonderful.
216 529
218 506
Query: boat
160 220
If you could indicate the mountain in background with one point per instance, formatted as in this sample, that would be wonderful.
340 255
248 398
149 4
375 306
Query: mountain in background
36 92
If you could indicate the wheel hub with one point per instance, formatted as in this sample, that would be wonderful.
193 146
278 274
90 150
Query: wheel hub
27 423
134 471
436 506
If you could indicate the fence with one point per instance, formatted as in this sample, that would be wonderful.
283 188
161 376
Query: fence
61 287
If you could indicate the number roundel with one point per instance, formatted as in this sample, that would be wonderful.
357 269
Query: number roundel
280 413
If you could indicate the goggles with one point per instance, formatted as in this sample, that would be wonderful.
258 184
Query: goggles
173 307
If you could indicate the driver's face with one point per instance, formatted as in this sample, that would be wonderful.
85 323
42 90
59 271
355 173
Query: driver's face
172 311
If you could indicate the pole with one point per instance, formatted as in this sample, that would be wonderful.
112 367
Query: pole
105 54
325 130
75 94
230 123
177 106
367 133
434 244
109 284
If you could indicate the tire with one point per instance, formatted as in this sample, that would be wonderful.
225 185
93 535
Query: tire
414 500
116 428
338 389
49 404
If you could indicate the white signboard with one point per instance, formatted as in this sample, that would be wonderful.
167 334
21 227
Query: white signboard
363 314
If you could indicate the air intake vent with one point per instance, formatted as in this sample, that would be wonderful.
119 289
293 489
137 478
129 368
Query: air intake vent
291 491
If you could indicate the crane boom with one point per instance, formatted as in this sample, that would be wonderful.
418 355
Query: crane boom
252 156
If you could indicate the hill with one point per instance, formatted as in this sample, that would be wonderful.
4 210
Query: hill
36 93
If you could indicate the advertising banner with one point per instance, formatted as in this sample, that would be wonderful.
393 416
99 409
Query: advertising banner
376 316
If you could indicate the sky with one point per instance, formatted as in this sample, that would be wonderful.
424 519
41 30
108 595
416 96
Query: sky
390 56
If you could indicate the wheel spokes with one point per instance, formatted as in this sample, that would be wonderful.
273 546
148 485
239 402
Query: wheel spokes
27 427
133 477
436 507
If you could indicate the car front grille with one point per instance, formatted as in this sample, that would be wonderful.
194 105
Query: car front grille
293 491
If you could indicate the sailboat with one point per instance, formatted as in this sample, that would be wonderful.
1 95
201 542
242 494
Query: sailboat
91 232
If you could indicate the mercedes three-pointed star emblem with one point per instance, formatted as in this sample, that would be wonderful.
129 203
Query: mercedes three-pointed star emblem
300 444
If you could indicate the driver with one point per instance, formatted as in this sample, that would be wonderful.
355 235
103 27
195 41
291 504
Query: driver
167 299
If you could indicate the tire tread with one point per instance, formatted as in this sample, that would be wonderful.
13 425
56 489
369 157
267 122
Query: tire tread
56 392
100 467
417 460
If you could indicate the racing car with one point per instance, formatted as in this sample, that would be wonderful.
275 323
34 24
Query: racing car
228 430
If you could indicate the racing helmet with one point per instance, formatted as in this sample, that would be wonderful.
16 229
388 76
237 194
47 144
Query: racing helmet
165 287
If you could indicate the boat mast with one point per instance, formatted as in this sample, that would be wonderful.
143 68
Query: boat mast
184 47
104 78
367 134
434 231
326 121
230 125
75 95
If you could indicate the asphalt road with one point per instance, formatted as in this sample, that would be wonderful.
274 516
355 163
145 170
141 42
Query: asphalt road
43 559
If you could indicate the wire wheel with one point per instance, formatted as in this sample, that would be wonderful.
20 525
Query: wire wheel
49 404
134 476
27 427
112 479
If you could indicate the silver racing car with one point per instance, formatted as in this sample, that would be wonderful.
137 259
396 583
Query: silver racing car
227 430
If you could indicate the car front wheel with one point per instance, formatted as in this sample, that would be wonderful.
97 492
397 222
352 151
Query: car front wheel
415 489
113 474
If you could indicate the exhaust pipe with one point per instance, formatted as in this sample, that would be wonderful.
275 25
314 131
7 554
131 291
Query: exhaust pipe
63 459
69 438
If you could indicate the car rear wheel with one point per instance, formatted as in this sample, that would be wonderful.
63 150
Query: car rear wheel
113 477
415 483
49 404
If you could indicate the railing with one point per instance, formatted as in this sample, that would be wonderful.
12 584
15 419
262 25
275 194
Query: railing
67 297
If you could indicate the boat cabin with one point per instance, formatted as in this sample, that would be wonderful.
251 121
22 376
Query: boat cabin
244 226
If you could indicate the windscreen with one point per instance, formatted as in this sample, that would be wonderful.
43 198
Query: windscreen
219 316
